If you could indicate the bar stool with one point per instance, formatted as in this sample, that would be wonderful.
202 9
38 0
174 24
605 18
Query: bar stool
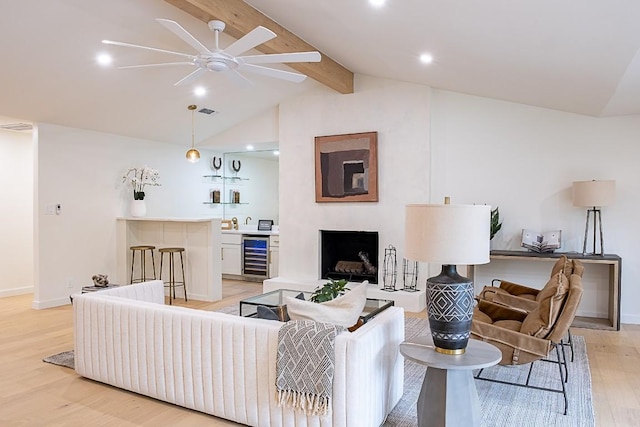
143 262
172 283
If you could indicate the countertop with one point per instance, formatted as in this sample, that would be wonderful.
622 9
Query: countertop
252 231
166 219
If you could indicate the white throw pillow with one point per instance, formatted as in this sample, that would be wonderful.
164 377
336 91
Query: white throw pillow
344 310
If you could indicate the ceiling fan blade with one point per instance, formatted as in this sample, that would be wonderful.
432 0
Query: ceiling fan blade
281 58
163 64
238 78
147 48
255 37
190 77
272 72
179 31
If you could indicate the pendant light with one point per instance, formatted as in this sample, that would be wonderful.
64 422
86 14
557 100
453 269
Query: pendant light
193 155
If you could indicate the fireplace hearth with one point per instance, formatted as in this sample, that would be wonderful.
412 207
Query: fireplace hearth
351 255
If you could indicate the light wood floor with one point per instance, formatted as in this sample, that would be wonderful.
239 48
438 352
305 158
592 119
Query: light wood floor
33 393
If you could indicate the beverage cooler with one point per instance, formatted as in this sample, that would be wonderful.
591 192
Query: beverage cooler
255 257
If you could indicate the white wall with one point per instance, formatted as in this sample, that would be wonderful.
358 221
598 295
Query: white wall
82 170
261 131
399 112
16 213
524 160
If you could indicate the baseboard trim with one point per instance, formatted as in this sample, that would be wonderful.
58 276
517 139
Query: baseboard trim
16 291
41 305
630 319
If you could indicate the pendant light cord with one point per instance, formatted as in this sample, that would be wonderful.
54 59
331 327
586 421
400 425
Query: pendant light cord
192 131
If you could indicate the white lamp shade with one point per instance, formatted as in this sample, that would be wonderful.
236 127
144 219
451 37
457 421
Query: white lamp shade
448 234
594 193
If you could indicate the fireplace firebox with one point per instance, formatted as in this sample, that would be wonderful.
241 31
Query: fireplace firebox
351 255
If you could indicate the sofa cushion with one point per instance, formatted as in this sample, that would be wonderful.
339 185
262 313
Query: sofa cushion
512 325
272 313
344 310
550 299
480 316
563 265
279 313
578 268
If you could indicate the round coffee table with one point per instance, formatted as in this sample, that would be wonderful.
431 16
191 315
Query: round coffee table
448 396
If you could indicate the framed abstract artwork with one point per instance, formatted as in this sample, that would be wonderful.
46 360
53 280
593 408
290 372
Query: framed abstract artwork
347 167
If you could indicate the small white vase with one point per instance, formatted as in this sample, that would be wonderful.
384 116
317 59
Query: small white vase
138 208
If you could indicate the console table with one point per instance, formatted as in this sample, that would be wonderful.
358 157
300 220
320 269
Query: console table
448 396
614 262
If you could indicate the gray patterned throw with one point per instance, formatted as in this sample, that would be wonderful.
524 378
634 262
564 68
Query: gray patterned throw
305 365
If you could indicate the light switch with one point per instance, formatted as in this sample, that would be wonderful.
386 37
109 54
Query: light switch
50 209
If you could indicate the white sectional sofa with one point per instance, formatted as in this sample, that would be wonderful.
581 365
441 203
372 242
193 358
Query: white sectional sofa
225 365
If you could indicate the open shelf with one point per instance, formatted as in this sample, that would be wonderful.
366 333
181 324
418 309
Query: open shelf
223 203
226 178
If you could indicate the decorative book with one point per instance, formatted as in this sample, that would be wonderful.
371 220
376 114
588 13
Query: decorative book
535 241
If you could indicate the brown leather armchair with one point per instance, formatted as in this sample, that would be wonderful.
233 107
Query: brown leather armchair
528 337
525 298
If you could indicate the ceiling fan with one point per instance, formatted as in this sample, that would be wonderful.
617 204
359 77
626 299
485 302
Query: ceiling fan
227 61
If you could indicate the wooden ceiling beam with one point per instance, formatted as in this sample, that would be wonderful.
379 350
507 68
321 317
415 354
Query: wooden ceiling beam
240 18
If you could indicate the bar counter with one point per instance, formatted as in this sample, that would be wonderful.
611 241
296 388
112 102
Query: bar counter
200 237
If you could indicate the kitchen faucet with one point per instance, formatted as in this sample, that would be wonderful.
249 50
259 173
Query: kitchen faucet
234 220
246 221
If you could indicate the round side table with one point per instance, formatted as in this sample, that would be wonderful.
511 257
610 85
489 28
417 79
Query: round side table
448 396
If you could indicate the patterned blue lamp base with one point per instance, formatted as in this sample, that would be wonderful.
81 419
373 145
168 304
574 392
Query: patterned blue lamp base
450 304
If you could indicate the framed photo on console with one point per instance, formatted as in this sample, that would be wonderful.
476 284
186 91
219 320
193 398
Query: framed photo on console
347 167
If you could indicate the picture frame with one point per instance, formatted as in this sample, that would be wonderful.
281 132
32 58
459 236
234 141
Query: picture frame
265 224
346 167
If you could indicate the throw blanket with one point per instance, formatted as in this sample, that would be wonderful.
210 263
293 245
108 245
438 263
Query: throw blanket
305 365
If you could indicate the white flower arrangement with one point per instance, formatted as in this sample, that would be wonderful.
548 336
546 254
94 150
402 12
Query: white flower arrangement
139 178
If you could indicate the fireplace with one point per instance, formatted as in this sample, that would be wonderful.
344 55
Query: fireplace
351 255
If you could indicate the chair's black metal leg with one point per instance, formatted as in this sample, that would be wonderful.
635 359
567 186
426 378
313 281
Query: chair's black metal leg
529 374
564 362
564 391
570 343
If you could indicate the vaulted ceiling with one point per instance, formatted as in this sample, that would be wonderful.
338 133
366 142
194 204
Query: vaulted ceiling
581 57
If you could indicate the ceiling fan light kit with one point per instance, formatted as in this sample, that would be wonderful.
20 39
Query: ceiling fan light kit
193 155
227 61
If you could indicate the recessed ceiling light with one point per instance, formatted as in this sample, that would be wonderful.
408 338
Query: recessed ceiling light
200 91
426 58
104 59
376 3
276 152
249 147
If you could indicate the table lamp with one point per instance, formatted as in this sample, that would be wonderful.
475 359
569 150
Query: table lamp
448 235
593 194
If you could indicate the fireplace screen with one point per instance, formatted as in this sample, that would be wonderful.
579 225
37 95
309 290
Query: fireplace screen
351 255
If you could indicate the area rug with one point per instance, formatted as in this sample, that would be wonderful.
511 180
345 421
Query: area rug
62 359
505 405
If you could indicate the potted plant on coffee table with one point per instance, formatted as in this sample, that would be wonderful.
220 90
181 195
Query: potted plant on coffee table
329 291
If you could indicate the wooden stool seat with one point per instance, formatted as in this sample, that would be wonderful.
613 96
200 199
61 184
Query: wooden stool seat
164 250
172 283
142 249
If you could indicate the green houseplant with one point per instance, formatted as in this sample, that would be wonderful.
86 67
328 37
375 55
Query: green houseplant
329 290
496 225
